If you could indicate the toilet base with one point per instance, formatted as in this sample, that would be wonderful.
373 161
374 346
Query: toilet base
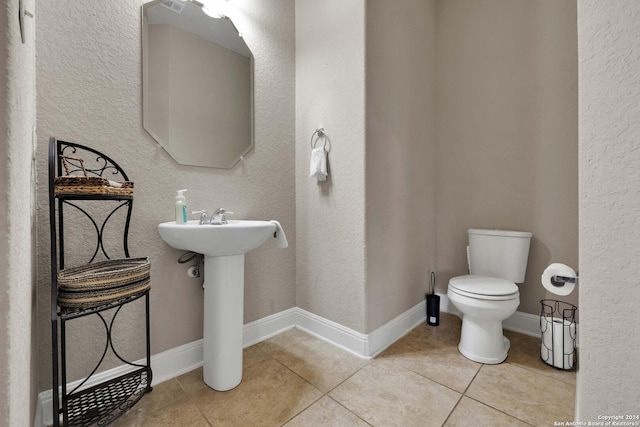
482 341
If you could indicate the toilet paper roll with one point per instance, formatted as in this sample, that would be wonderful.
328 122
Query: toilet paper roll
555 287
558 342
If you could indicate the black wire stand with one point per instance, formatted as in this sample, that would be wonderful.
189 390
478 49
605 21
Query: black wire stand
91 402
559 332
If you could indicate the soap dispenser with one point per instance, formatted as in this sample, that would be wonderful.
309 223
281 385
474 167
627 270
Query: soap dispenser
181 208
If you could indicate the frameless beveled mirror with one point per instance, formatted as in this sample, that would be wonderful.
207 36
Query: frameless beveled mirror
197 84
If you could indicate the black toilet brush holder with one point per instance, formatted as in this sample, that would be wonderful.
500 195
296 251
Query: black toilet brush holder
433 303
433 309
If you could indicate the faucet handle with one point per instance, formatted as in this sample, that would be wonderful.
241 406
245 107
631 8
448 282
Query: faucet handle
203 216
220 216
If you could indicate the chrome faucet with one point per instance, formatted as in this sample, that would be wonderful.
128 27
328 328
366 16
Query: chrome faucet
219 217
203 216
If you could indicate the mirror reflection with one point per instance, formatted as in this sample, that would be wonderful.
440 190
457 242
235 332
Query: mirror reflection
197 84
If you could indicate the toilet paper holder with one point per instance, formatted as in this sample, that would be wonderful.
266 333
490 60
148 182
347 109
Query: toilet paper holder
561 280
558 327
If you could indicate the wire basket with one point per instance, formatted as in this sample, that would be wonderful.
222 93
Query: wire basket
99 283
559 332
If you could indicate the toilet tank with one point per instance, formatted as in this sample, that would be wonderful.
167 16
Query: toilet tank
499 253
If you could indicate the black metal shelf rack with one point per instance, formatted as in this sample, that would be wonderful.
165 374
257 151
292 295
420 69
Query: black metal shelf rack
91 402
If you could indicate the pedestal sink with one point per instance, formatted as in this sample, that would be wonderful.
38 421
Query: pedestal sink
223 247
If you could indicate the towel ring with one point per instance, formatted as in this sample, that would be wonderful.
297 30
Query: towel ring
321 134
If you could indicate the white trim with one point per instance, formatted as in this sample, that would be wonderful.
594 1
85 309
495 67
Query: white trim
524 323
391 331
267 327
175 362
179 360
39 419
338 335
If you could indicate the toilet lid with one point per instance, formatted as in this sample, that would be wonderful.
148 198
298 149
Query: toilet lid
480 285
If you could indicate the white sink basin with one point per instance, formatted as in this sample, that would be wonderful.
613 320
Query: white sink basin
234 238
223 247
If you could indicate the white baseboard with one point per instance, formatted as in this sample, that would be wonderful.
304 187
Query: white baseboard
340 336
391 331
267 327
179 360
175 362
524 323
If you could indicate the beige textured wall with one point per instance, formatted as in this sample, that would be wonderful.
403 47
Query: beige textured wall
17 279
507 131
330 216
609 54
5 250
89 91
400 155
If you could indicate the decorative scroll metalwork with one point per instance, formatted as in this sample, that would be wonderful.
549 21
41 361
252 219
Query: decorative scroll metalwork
100 230
102 162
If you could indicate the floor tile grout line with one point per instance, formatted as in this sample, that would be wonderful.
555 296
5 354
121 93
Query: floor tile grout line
316 387
350 376
200 411
305 408
500 410
438 382
191 399
307 382
463 394
342 382
350 411
300 376
452 410
485 403
324 394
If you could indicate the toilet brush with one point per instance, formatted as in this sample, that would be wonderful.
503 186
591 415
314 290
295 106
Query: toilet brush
433 303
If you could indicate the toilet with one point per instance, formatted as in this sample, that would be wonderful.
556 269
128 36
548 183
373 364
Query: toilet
488 295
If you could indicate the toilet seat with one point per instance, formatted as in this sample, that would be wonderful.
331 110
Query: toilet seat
484 288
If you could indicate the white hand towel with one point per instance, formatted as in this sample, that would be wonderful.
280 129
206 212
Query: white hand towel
318 169
281 238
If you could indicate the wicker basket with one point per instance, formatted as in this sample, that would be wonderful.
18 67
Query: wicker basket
70 185
85 184
99 283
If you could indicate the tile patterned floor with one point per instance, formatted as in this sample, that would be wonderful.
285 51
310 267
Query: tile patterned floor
295 379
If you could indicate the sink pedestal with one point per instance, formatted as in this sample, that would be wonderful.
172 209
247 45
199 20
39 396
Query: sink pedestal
223 321
223 247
